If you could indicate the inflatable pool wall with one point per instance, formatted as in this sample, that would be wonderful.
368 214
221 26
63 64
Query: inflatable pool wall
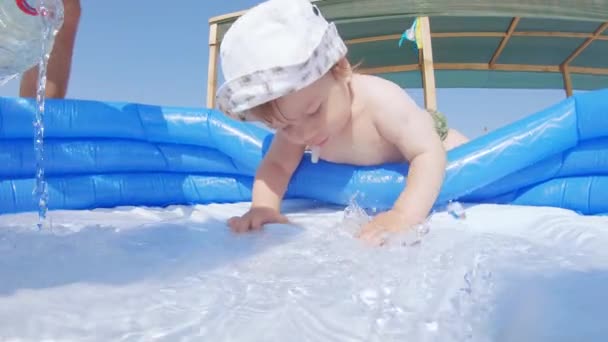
103 154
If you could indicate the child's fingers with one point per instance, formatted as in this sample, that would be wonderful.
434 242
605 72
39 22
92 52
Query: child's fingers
258 222
254 222
367 231
232 222
377 238
374 235
281 219
239 224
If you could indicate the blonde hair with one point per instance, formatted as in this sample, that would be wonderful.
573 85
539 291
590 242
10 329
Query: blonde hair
267 113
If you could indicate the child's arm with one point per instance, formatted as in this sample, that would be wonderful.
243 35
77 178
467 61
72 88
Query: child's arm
275 171
270 184
412 130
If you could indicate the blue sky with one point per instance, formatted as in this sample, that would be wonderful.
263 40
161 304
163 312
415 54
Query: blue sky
157 51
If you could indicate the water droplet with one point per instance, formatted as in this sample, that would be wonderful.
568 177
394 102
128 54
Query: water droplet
456 210
432 325
369 296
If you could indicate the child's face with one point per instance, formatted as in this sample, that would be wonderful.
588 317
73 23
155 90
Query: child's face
313 114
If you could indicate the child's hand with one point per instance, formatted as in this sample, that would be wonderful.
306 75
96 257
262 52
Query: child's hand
255 218
377 230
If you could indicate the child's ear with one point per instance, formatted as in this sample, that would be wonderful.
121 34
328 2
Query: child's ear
342 70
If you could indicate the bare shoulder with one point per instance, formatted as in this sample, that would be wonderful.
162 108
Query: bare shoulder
384 98
376 86
397 117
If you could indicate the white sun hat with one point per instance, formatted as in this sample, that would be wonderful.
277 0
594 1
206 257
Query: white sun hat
275 48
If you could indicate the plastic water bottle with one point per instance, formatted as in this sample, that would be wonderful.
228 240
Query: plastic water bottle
22 33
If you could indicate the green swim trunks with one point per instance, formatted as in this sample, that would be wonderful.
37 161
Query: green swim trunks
441 123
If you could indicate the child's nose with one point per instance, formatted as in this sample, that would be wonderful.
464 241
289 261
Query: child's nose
302 133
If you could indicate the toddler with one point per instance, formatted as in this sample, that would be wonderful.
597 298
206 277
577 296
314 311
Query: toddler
286 66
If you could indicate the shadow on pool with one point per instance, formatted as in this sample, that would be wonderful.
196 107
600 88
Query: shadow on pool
102 255
564 306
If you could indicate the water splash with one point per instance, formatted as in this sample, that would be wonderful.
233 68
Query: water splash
456 210
355 217
409 237
51 14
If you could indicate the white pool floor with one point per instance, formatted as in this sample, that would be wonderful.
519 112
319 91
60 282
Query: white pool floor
505 273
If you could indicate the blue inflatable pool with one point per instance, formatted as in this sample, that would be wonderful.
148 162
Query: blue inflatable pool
100 154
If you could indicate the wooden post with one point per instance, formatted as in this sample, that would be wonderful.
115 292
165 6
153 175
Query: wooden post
426 66
212 68
567 80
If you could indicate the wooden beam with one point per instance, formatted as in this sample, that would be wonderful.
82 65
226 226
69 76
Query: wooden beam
498 67
482 66
212 68
587 70
504 41
467 34
567 80
389 69
585 44
556 34
463 66
428 71
434 35
226 17
372 39
525 67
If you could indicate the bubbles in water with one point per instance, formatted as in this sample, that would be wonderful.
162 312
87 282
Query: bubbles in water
369 297
354 217
432 325
409 237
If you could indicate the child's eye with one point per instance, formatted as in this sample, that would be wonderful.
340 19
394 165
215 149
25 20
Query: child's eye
274 124
316 111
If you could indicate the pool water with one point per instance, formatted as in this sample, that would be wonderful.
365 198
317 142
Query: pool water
505 273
